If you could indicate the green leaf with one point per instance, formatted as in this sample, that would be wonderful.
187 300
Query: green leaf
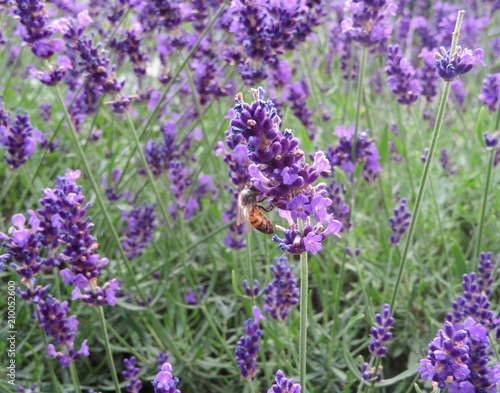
405 374
351 363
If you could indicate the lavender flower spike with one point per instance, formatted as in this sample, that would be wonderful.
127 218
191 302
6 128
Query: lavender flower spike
248 345
399 223
450 66
446 357
284 385
282 292
165 382
380 333
490 91
280 174
130 374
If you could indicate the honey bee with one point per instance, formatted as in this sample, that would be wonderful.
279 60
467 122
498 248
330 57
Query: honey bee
249 208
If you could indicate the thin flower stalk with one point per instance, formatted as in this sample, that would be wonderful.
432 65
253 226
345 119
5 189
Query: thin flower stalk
425 175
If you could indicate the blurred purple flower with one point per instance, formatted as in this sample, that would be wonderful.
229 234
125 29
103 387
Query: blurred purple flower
490 91
140 225
399 223
401 77
130 374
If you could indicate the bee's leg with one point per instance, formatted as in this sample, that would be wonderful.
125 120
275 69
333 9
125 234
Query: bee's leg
266 209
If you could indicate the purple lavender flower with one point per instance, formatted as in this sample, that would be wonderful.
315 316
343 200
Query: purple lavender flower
474 301
399 223
33 18
165 382
461 367
139 229
190 298
427 75
284 385
296 93
130 374
380 333
54 320
446 357
445 163
339 209
401 80
450 67
64 211
459 93
162 358
45 112
251 292
369 23
24 246
490 91
281 294
131 46
248 345
111 192
280 174
18 139
367 153
368 372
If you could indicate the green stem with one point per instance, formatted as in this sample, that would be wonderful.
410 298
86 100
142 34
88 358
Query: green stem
421 189
109 353
14 68
489 171
159 198
427 165
74 377
304 270
359 100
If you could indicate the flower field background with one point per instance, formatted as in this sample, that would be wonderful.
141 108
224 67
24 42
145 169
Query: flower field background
143 139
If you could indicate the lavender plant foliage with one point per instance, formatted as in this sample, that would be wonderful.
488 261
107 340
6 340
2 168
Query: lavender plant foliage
380 333
165 382
140 225
280 174
284 385
248 345
281 294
